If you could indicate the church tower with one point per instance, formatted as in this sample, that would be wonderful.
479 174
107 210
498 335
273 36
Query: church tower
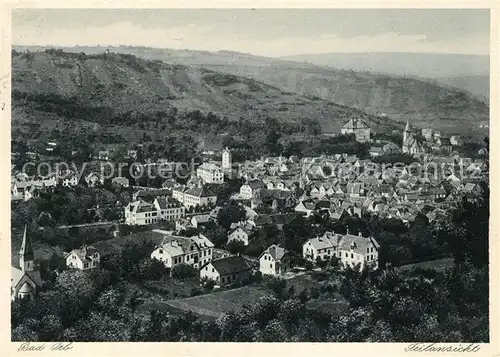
406 133
226 159
26 254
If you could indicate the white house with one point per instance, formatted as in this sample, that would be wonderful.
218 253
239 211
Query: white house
69 180
210 173
350 249
198 196
274 261
121 181
226 270
200 220
356 249
239 233
141 213
169 209
324 247
251 189
83 258
92 179
174 250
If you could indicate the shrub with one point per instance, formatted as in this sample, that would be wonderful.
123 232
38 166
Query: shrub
183 271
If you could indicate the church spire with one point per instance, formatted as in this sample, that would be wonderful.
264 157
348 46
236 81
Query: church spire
407 128
26 254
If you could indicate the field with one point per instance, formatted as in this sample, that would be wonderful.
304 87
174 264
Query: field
439 265
218 303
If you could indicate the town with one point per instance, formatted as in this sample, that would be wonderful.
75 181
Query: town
217 239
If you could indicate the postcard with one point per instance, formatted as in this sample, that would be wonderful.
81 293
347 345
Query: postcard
303 178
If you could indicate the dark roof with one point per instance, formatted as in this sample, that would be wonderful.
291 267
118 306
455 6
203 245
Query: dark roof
199 192
153 193
256 184
230 265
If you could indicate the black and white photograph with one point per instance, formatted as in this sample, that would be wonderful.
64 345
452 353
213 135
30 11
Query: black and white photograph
250 175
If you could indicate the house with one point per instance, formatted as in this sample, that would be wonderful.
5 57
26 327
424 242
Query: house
182 224
226 270
69 180
239 233
174 250
25 279
103 155
350 249
324 247
356 249
141 213
357 127
200 220
20 191
121 181
169 209
444 144
274 261
428 134
132 154
456 140
210 173
306 207
251 189
92 179
198 196
376 151
83 258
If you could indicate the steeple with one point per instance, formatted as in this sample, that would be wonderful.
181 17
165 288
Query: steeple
26 254
406 135
226 159
407 128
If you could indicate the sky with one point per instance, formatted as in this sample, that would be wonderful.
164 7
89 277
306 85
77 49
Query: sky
265 32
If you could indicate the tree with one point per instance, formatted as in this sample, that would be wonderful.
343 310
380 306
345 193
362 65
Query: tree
236 246
232 212
183 271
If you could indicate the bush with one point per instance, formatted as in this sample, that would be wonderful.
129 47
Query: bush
183 271
209 284
196 292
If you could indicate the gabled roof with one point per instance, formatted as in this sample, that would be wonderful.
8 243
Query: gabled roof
230 265
360 243
256 184
327 240
275 251
199 192
355 123
85 253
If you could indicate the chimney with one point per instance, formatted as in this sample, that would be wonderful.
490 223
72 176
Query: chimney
347 231
359 234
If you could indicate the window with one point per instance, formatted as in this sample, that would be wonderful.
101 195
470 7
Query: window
86 265
161 251
368 250
213 270
187 258
352 256
346 255
271 265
